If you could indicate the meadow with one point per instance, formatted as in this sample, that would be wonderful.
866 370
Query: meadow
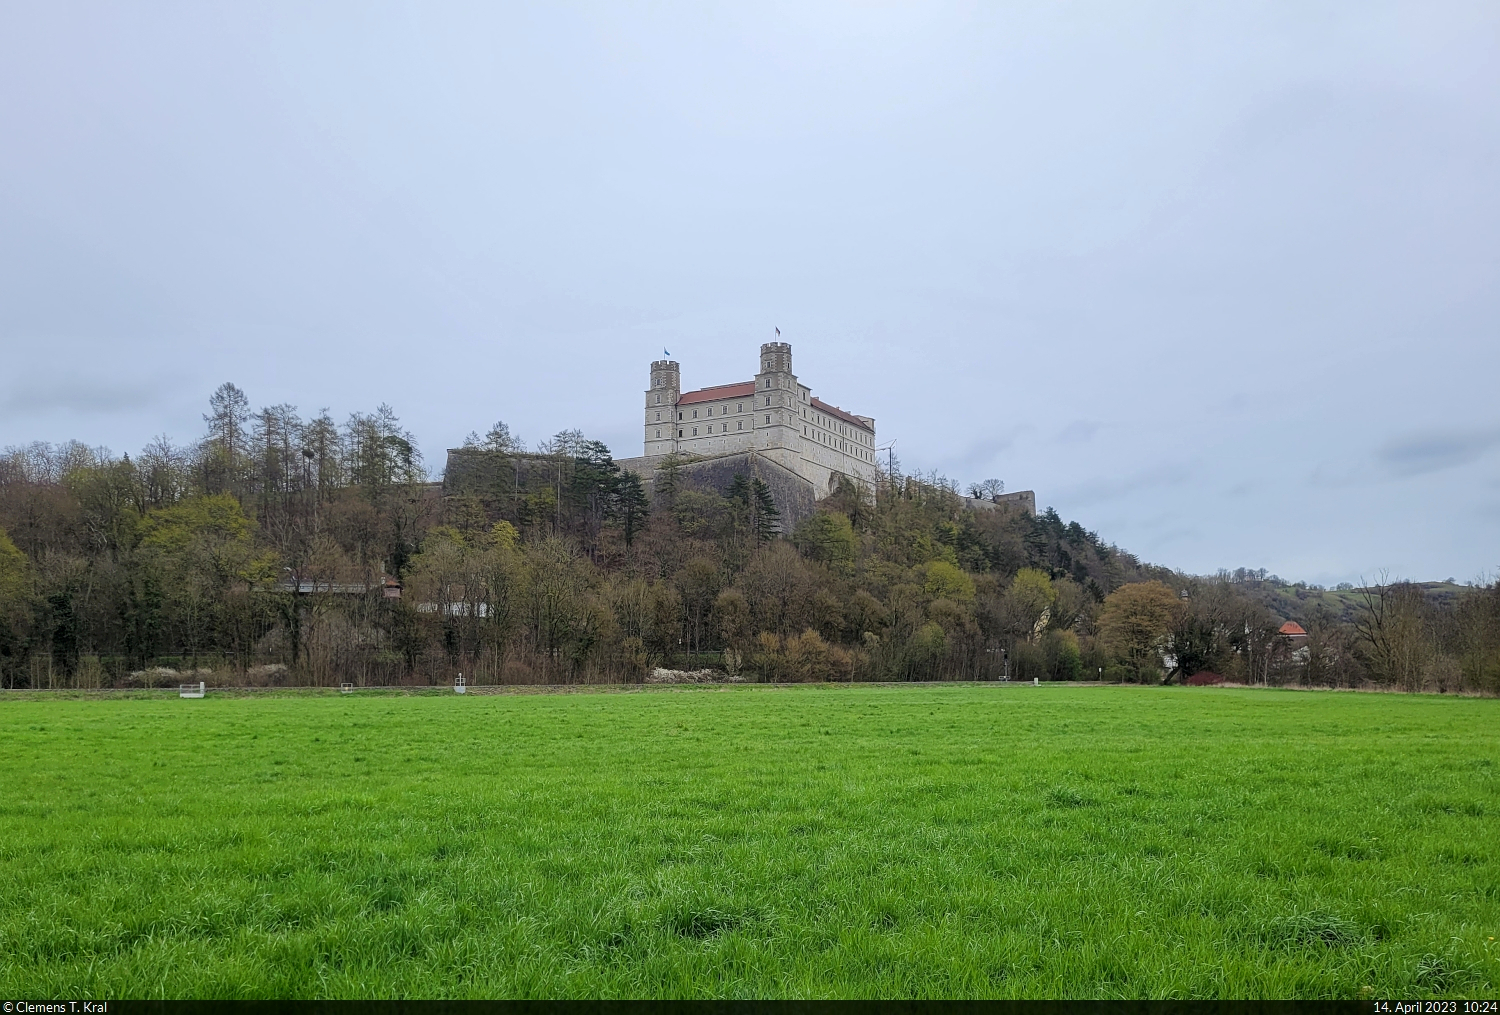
865 841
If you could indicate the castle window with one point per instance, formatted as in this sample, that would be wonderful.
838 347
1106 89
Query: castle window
658 417
740 425
739 407
768 419
679 433
679 415
658 399
695 413
768 382
658 433
695 431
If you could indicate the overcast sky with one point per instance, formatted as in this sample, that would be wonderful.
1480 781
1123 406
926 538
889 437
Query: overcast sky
1221 282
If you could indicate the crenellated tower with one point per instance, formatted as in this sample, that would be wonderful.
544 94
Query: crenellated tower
661 407
778 398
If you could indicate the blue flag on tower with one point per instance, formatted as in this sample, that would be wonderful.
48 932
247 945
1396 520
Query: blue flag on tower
665 353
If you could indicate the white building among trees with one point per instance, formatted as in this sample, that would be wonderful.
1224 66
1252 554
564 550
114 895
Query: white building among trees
773 415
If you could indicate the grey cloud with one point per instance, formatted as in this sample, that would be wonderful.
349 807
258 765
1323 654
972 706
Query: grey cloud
983 453
565 315
1337 474
1102 491
1178 534
1431 451
1079 431
84 399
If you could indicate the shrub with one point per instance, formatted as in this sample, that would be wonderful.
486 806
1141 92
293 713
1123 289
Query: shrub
928 646
1060 655
826 537
944 581
811 658
1027 662
804 657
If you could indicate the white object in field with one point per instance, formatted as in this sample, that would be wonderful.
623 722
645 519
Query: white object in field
458 685
1036 681
346 688
191 690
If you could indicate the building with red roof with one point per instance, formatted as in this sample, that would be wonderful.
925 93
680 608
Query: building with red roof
773 415
1295 636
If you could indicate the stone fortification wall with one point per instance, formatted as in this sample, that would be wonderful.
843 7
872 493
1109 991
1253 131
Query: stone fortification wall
492 474
1023 499
795 496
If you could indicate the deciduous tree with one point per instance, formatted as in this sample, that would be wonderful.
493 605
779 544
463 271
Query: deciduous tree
1135 622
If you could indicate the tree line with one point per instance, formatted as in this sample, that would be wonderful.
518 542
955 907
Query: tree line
277 549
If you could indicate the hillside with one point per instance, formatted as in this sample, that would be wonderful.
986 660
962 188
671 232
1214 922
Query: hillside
282 550
1307 603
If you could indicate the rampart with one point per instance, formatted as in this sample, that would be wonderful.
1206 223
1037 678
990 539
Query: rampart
1023 499
795 496
497 475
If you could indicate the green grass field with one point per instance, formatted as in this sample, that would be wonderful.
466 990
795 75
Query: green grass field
922 841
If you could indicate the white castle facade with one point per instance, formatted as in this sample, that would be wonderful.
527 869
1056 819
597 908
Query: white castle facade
773 415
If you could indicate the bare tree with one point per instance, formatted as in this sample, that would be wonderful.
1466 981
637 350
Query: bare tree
1391 628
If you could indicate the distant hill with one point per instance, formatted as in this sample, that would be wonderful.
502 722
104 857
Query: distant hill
1302 602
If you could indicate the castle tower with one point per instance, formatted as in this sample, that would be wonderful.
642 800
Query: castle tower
776 357
778 398
661 407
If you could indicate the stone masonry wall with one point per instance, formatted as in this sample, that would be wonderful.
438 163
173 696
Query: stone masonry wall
794 496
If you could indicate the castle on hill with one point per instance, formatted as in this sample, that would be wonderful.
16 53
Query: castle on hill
771 428
773 416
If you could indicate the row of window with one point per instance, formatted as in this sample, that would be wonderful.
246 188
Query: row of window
740 425
738 407
723 428
843 446
843 430
824 421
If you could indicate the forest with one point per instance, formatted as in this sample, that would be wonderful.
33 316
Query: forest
278 550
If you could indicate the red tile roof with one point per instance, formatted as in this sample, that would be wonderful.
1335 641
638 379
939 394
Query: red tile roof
744 389
1292 629
834 410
